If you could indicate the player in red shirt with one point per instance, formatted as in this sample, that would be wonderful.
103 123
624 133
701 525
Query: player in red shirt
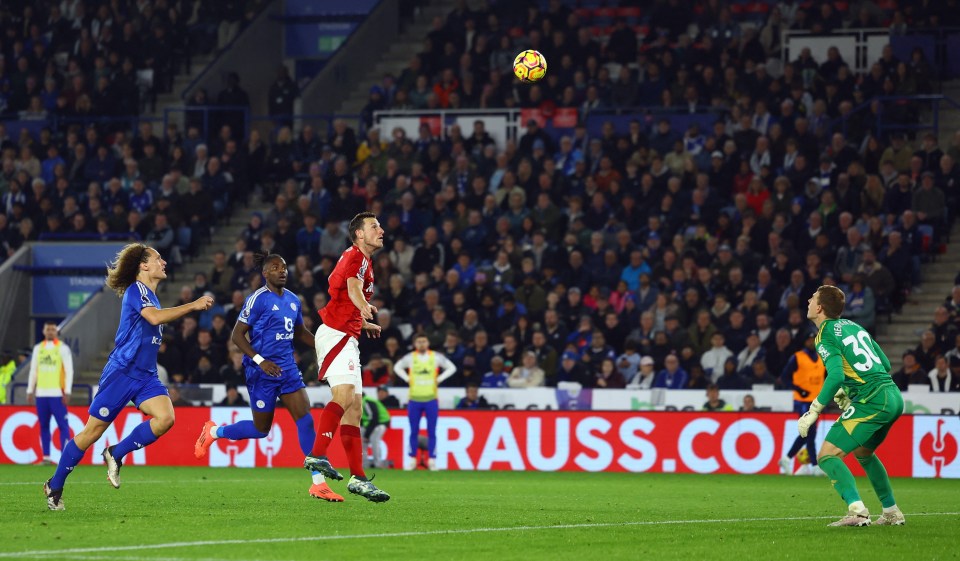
347 314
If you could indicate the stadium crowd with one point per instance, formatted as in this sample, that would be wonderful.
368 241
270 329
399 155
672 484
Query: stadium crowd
655 258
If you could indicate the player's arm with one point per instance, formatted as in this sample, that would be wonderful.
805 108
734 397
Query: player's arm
447 366
355 292
239 338
32 378
66 358
833 362
401 366
157 316
371 329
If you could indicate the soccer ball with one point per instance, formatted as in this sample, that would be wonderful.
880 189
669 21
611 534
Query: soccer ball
530 66
803 457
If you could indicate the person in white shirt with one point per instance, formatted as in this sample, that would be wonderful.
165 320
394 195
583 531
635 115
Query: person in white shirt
644 377
712 360
423 370
528 374
50 385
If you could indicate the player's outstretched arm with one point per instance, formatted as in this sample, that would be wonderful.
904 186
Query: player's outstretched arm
239 338
157 316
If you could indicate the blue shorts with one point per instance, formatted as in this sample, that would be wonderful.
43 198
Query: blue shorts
117 390
264 390
801 407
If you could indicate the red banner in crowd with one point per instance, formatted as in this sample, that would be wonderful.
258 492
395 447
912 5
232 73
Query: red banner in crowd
682 442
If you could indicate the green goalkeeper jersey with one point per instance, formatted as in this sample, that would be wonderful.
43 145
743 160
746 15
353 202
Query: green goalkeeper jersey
853 360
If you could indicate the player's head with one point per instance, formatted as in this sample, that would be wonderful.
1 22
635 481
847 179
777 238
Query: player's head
421 343
132 261
365 231
826 303
274 268
50 330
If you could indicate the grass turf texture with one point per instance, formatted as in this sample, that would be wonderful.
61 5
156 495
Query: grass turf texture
462 515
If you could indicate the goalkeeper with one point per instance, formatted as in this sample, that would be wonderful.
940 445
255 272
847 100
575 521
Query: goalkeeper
858 378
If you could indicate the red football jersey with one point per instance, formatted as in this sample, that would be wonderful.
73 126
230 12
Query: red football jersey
340 313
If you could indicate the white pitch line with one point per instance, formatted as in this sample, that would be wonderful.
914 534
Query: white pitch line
461 531
78 557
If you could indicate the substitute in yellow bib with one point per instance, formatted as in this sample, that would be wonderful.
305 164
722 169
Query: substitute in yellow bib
50 383
804 373
423 370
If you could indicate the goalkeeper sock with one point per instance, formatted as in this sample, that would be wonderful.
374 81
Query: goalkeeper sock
353 446
141 436
329 422
878 478
841 478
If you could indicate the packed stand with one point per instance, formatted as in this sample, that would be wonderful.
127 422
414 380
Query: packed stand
934 364
75 59
656 258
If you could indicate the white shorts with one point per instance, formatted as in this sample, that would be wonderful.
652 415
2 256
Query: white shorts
338 355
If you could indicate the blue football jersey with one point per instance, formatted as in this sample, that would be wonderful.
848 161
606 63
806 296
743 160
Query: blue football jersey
137 342
272 320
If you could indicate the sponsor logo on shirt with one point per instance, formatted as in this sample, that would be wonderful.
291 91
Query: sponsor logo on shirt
275 308
284 336
823 352
156 341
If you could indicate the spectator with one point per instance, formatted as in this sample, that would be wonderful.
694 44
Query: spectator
472 399
644 378
233 398
528 374
609 377
713 360
714 403
672 376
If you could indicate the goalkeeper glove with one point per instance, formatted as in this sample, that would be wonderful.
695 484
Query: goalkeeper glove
809 418
842 399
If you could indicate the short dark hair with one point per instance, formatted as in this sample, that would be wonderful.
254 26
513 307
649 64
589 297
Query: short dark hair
357 224
832 300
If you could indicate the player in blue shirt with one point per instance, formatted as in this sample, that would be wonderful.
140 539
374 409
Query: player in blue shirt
131 370
273 319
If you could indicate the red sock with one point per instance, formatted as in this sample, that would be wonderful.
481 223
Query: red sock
353 446
329 421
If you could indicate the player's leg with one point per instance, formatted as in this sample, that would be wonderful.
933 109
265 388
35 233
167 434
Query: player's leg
837 445
353 446
59 411
891 410
432 410
153 400
298 404
786 462
263 392
376 439
335 351
71 455
414 412
115 391
811 443
43 419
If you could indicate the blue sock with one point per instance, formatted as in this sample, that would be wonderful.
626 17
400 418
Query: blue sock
140 437
240 431
307 433
69 459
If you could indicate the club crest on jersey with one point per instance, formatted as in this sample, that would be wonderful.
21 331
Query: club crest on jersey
293 306
350 365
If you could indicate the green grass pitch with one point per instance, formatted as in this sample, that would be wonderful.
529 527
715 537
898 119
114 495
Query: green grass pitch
175 514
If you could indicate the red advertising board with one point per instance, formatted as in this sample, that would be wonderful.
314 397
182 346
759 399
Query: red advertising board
682 442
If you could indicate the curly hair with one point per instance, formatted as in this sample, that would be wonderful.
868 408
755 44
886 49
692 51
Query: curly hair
126 266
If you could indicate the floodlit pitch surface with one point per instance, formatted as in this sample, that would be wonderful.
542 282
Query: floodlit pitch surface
177 514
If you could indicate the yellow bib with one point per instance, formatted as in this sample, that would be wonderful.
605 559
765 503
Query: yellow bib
423 378
50 372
